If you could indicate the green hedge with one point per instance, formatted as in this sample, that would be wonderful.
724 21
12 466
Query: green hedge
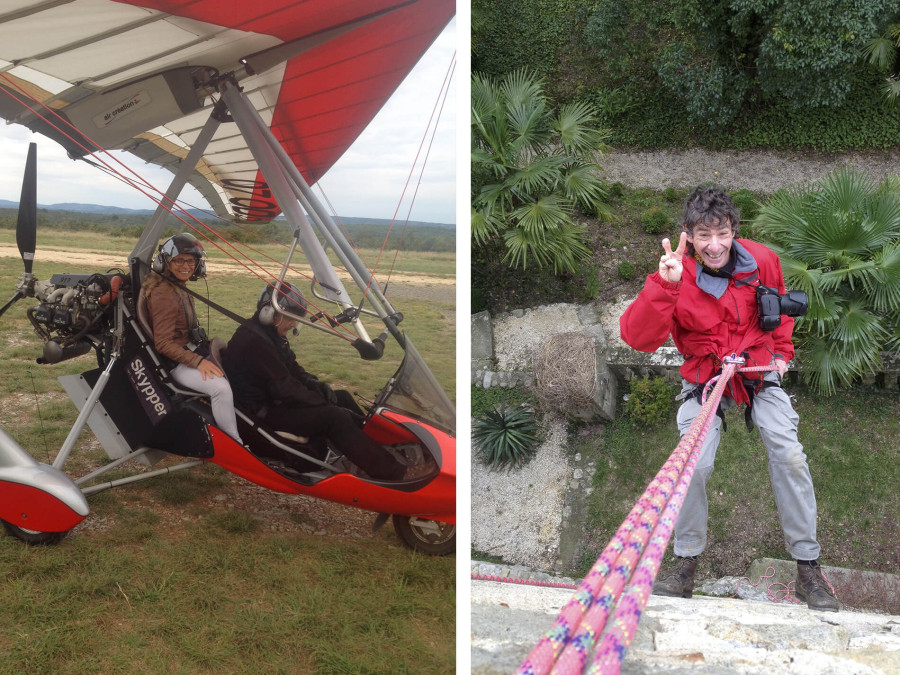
618 56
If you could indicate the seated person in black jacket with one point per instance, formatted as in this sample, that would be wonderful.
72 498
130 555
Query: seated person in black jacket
269 383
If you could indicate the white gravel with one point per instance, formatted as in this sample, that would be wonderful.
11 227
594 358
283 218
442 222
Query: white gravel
518 335
759 171
517 515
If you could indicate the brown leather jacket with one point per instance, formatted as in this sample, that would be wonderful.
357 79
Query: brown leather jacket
172 313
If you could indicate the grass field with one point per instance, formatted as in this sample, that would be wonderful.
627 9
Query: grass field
162 577
852 442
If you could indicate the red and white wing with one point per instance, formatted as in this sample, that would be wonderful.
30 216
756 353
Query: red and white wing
132 75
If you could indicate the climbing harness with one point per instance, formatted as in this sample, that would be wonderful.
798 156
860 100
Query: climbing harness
601 618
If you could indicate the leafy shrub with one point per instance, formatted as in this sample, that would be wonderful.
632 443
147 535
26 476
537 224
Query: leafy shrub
616 189
649 401
745 231
626 270
506 436
710 92
655 220
670 195
746 203
592 283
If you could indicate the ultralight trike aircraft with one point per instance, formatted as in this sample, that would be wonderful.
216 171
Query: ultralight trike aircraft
250 103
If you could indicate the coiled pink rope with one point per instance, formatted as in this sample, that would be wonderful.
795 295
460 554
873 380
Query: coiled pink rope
633 555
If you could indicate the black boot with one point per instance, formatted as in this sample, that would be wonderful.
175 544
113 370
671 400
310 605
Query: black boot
679 581
813 589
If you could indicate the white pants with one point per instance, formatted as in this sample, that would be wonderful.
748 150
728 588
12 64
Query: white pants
777 422
219 391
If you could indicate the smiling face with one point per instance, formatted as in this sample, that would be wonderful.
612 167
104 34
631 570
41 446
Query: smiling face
182 266
712 242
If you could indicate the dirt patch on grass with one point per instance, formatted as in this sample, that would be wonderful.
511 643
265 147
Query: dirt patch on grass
416 286
207 493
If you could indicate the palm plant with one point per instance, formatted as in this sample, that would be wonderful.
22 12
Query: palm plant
839 240
532 168
883 52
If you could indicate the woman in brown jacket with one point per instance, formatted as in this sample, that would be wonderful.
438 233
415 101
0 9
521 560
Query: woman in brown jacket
176 331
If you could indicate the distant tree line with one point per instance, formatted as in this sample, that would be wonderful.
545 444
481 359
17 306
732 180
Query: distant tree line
409 238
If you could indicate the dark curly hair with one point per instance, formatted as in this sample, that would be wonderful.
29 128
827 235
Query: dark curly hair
710 206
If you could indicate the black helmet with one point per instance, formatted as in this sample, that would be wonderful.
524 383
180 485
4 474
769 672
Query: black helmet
182 243
289 299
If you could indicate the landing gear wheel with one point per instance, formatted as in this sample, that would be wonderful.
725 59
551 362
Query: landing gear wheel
34 537
426 536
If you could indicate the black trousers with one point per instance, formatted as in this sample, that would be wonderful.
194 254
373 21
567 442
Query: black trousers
339 427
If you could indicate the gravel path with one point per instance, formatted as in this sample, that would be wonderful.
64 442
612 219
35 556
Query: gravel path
759 171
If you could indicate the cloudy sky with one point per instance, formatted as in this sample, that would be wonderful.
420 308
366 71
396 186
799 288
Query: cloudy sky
368 181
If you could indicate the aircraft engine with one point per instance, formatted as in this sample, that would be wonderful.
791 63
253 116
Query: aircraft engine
74 313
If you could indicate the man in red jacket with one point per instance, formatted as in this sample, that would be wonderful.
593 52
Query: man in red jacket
705 296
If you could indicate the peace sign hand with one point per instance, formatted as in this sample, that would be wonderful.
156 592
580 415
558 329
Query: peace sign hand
670 266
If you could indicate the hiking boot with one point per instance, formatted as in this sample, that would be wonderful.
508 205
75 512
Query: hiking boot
679 581
812 588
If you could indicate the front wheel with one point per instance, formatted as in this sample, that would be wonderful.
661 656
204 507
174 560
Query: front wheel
426 536
33 537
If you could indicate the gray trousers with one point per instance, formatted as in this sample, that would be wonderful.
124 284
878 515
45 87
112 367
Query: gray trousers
774 416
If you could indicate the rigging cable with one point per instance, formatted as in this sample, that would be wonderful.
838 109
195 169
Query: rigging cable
437 108
419 183
349 336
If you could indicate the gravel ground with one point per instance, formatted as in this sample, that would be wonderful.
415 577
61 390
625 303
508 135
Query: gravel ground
758 171
516 515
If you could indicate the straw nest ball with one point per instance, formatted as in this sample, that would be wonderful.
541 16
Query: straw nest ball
565 370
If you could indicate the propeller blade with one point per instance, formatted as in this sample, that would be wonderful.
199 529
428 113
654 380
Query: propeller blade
26 226
17 296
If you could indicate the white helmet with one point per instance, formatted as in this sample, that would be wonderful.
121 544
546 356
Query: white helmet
182 243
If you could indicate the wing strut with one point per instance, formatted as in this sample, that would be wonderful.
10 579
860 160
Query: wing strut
279 182
329 229
300 191
146 244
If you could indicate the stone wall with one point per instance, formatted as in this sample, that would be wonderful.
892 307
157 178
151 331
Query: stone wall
503 349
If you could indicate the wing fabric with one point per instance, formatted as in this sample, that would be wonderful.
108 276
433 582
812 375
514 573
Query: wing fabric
140 75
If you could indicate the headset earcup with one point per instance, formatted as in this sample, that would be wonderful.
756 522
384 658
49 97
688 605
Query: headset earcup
267 315
199 270
158 265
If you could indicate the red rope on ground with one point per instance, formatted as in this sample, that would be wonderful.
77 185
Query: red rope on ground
782 592
522 582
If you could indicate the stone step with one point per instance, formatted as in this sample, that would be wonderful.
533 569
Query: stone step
703 634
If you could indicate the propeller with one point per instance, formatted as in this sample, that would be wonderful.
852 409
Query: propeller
26 227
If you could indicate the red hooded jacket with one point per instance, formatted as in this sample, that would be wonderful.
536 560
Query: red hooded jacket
705 328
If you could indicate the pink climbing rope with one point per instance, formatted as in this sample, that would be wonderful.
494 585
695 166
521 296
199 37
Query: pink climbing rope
633 557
